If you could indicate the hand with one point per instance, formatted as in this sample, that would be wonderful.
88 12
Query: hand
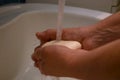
83 35
59 60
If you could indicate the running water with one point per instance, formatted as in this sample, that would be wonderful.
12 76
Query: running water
59 28
60 19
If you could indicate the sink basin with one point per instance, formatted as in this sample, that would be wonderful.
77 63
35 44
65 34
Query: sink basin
18 25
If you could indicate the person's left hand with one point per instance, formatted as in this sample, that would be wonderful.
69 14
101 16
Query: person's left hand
58 60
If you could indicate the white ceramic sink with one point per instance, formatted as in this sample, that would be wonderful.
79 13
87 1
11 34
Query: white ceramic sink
18 25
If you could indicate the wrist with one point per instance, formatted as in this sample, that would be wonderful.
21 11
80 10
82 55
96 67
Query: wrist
112 20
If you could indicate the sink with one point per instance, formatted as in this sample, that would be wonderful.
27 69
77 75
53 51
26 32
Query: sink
18 25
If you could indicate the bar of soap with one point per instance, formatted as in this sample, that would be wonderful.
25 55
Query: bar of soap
69 44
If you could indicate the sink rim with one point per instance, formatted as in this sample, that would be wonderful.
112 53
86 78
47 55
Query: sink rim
30 8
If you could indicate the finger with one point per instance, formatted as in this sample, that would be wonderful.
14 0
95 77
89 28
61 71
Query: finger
37 48
33 57
40 35
71 34
36 55
47 35
39 65
38 60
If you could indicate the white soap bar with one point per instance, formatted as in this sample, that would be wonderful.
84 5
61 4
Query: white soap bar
69 44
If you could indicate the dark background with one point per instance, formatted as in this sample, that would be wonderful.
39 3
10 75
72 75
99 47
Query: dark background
4 2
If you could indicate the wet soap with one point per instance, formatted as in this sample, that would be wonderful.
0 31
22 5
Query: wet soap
69 44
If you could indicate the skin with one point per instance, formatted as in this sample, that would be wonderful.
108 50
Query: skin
99 58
